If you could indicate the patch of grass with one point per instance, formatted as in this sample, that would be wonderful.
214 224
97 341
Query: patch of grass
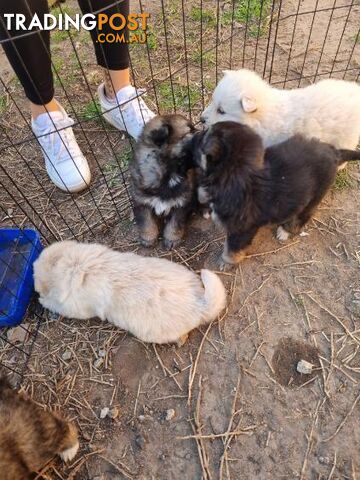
111 170
91 111
207 57
206 16
123 158
209 84
151 38
357 38
254 12
343 180
63 76
299 301
57 65
181 96
3 104
57 35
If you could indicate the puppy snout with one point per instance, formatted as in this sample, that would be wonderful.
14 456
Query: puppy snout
202 119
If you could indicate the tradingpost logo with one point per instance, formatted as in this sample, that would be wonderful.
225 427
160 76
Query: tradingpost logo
135 23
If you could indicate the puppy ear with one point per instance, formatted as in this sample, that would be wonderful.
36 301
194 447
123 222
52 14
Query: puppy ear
160 135
212 150
191 127
73 280
248 104
41 286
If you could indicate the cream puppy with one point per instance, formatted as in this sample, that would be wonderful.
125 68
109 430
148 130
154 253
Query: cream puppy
156 300
328 110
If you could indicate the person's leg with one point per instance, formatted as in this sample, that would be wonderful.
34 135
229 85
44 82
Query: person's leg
114 59
32 70
30 58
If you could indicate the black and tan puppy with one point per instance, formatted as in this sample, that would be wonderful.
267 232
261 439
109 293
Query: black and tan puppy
249 187
163 183
30 436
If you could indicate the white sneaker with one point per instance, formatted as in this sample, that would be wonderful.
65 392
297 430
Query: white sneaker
132 113
65 164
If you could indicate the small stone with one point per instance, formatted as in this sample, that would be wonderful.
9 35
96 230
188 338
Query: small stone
170 414
10 212
113 413
352 303
143 418
102 353
304 367
104 412
324 460
140 441
304 234
18 334
98 362
86 436
66 355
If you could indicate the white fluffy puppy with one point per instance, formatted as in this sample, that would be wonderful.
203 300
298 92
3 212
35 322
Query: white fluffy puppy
328 110
154 299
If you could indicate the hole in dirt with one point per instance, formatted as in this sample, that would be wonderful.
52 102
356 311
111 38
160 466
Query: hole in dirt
131 364
286 357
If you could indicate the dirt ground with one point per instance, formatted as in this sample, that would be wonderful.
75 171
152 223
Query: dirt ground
229 404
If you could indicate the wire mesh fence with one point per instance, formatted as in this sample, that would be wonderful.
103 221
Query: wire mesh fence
290 44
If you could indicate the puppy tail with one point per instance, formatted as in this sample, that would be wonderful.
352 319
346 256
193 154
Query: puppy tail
215 294
348 156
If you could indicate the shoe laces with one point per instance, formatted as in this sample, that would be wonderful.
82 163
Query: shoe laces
61 141
136 103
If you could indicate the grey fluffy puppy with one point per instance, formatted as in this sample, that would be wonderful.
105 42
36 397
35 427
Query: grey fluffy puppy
163 180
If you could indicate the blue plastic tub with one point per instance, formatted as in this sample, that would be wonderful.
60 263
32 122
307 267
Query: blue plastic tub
18 251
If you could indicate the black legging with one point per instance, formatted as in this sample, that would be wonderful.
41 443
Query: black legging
30 55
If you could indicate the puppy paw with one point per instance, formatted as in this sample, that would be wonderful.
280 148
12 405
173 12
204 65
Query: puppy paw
230 260
281 234
169 244
68 454
225 266
182 340
148 242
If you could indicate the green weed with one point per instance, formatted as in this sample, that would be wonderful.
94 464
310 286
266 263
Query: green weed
207 57
342 180
252 12
206 16
151 38
3 104
112 170
91 111
181 96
